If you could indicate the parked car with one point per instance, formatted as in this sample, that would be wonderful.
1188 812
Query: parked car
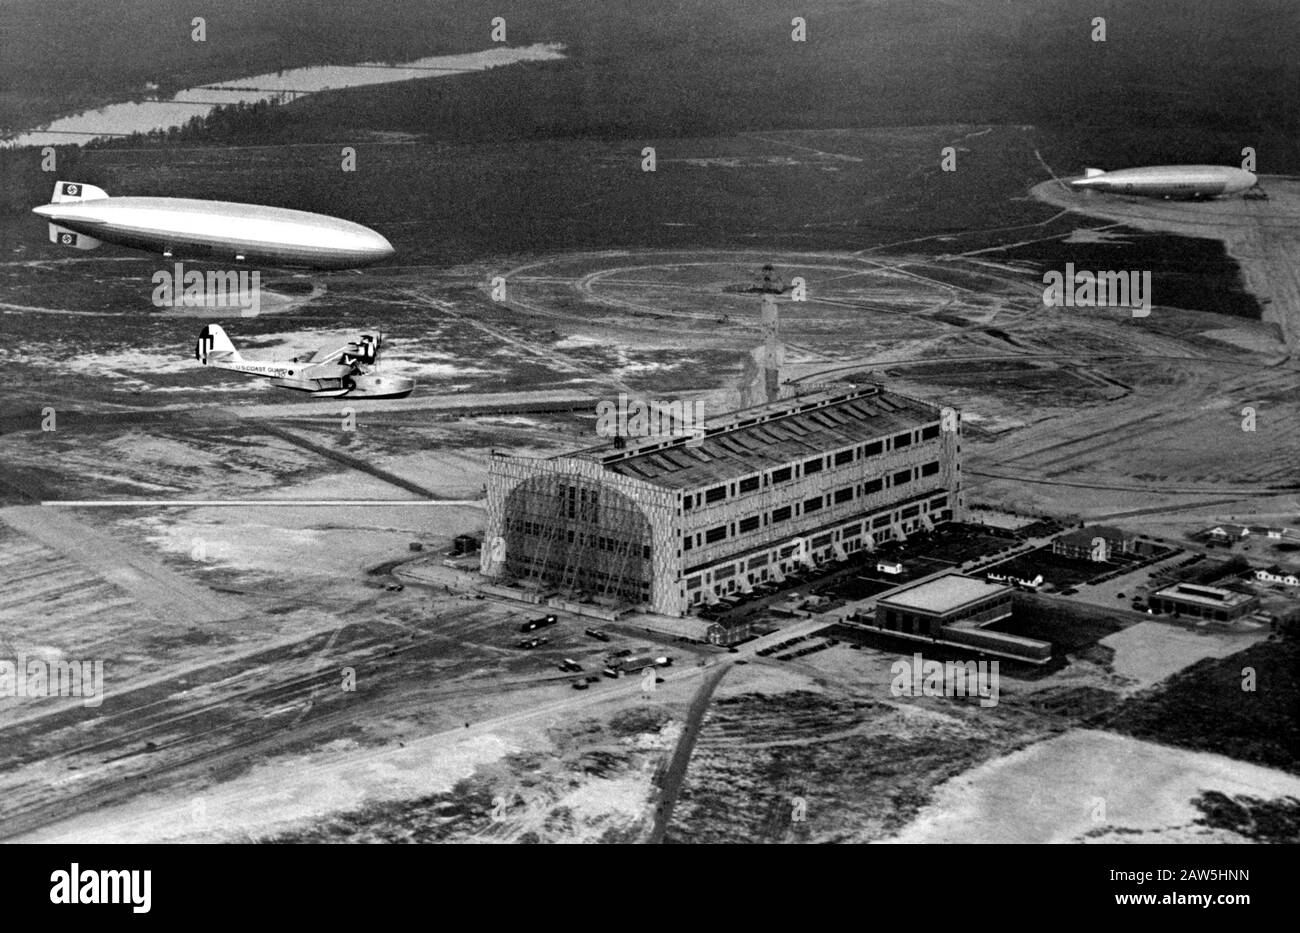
535 642
599 634
541 622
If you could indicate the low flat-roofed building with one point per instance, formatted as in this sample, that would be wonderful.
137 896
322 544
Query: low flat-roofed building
957 608
1203 602
924 607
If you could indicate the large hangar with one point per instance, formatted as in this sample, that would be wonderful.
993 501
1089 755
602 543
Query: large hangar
667 523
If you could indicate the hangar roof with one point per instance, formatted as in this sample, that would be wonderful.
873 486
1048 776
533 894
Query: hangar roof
750 440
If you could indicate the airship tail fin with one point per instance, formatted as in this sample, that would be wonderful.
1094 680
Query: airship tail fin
1092 172
75 191
214 342
65 237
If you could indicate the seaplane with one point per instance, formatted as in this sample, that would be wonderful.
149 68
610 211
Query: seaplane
350 370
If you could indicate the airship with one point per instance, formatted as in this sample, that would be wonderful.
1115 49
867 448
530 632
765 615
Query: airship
1190 182
83 216
350 370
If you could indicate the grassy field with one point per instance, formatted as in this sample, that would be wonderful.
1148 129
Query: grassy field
1206 708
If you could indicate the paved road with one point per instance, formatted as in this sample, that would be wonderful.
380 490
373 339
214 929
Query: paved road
675 773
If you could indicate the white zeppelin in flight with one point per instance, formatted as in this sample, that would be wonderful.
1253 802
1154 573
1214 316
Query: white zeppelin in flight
83 216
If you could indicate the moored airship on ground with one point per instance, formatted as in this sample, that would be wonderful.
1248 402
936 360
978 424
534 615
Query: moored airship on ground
1190 182
82 216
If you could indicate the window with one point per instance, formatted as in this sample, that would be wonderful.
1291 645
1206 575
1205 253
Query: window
880 521
760 561
821 540
749 524
873 449
716 494
688 543
930 468
781 476
749 485
812 505
715 534
723 573
911 511
688 502
844 495
812 466
780 515
939 503
693 583
930 433
871 486
902 476
843 457
902 440
851 531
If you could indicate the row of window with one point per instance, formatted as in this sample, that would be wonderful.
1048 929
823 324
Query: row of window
850 537
809 467
809 506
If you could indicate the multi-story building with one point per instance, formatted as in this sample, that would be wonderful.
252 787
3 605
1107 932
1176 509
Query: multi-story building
667 523
1082 543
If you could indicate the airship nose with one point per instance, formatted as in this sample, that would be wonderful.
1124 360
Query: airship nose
45 210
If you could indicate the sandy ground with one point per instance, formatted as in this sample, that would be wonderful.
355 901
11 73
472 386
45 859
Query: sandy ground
1148 652
528 755
1051 792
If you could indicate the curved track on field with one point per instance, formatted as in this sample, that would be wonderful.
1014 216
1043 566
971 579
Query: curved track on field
636 287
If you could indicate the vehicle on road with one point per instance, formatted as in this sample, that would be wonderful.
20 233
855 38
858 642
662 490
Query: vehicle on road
537 642
540 622
570 666
599 634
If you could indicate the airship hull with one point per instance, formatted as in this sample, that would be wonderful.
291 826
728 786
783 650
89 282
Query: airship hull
1182 182
222 231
